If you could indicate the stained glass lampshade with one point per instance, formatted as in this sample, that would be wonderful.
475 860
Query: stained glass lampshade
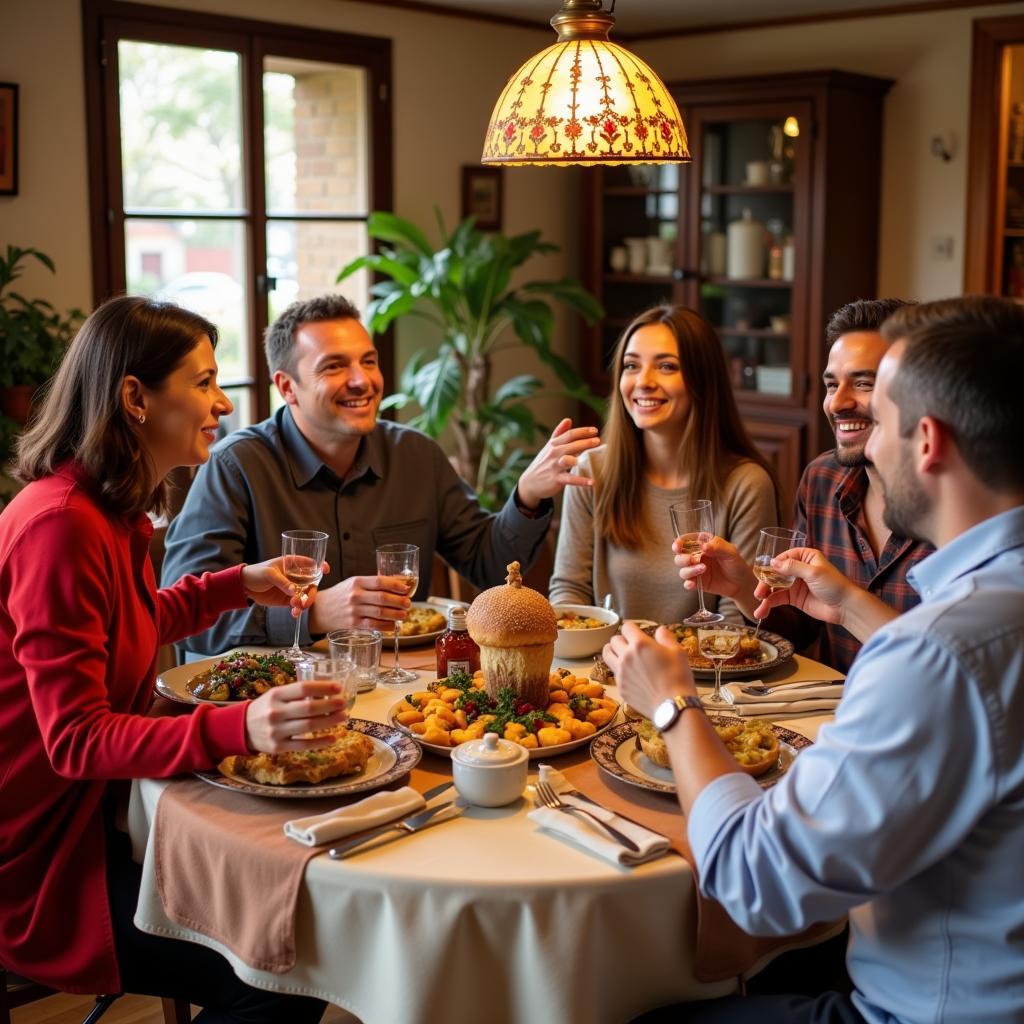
585 100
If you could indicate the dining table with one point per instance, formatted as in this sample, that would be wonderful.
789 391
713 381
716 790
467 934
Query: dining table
487 916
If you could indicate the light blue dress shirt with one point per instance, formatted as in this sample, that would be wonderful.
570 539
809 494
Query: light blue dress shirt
908 812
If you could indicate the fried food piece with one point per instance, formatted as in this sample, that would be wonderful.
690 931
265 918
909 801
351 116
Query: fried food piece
419 621
347 755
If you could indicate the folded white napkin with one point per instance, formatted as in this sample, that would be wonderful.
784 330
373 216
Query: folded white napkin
589 834
787 702
378 809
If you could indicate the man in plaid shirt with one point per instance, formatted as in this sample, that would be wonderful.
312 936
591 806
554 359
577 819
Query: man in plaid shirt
839 501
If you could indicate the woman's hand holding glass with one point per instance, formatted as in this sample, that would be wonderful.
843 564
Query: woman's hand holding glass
720 569
284 717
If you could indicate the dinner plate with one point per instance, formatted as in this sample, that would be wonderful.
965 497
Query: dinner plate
775 650
419 638
173 684
618 753
394 755
535 754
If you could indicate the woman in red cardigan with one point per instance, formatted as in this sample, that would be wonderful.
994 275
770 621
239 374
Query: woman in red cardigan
81 620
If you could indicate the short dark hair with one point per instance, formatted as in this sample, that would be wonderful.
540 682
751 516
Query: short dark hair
860 315
81 417
279 339
963 364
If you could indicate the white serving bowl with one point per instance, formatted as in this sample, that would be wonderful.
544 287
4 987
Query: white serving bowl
584 643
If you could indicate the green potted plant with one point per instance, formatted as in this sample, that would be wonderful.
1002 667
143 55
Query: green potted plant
33 335
463 287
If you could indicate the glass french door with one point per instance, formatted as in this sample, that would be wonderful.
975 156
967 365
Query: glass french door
240 172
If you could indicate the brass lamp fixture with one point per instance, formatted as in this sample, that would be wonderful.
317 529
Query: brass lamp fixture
585 100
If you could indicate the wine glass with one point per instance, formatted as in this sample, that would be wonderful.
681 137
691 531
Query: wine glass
718 643
303 552
399 560
773 541
694 524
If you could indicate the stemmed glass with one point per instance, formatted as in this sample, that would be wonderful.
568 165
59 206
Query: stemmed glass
694 524
303 552
399 560
719 643
773 541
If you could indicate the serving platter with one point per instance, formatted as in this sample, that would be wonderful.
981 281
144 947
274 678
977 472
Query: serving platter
394 755
535 754
618 753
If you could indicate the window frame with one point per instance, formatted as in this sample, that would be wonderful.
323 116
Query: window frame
104 22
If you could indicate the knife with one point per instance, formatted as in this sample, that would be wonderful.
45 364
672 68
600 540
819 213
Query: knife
406 827
437 790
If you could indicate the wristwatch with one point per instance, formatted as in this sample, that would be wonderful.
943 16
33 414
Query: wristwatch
667 713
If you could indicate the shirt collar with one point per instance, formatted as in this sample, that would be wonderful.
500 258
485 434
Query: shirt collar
851 489
306 464
969 551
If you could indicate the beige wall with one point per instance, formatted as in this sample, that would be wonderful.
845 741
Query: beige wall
929 56
447 73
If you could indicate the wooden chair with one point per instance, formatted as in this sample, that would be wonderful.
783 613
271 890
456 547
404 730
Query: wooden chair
17 991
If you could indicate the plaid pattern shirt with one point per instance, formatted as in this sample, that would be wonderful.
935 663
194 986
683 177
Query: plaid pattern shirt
828 510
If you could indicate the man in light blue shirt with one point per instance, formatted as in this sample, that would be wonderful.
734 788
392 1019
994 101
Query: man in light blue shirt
908 813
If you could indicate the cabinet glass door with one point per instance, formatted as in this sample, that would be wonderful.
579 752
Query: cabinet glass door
746 238
640 210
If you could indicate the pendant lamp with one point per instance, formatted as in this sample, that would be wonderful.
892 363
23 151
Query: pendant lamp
585 100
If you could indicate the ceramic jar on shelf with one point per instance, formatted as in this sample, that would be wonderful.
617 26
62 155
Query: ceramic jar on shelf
745 248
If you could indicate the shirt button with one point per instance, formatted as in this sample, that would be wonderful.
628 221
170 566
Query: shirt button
346 536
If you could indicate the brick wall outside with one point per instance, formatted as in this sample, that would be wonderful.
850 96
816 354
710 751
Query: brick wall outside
331 177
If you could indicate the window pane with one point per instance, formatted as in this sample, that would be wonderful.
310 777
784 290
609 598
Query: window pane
181 127
305 256
316 135
199 264
242 414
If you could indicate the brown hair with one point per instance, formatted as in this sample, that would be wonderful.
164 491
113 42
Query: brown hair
715 440
81 417
279 339
861 315
963 364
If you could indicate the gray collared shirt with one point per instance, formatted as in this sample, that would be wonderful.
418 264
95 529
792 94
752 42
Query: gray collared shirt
265 479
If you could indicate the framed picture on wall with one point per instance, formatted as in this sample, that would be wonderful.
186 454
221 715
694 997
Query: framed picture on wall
481 196
8 139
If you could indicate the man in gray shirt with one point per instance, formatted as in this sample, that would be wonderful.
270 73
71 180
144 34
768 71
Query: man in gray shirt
325 462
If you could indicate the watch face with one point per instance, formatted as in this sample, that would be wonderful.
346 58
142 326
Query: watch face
664 713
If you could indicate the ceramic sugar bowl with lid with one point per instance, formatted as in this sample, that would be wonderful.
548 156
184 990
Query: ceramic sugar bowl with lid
490 772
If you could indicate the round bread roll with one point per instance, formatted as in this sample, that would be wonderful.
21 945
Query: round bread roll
515 629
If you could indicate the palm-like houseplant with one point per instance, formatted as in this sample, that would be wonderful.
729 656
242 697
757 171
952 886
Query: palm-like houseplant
464 289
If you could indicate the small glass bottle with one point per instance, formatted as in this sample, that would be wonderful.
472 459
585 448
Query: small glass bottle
455 648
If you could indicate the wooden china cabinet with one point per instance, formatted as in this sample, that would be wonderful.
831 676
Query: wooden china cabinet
771 227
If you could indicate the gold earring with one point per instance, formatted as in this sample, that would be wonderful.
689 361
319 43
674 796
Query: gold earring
142 418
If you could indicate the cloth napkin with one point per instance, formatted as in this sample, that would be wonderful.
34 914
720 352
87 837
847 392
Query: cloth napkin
374 810
590 835
785 702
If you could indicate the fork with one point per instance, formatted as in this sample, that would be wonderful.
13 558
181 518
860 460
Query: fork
763 691
549 798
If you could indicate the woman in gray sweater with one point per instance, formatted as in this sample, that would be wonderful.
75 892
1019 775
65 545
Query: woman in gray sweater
673 432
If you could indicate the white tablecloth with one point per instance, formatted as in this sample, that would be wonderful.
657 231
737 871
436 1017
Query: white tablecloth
483 918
